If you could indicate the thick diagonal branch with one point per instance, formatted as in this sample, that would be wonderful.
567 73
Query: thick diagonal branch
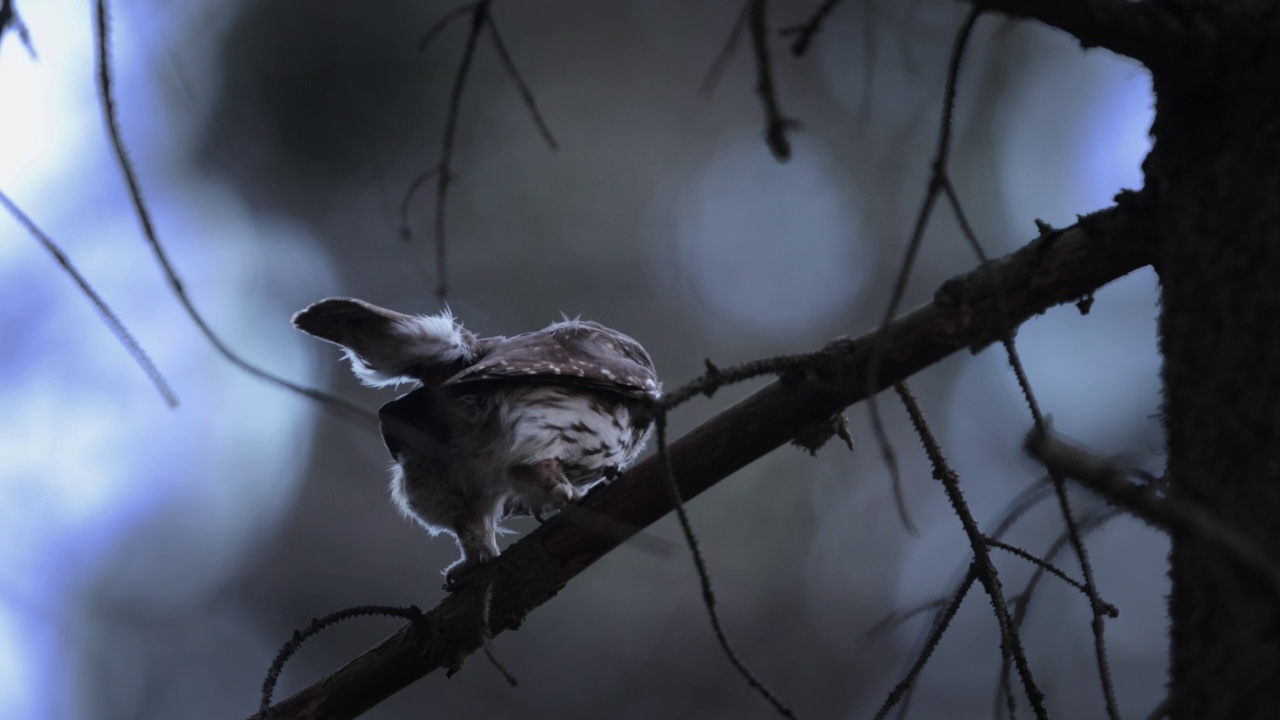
1058 267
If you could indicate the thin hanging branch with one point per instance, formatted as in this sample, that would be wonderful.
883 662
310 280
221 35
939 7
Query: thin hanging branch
109 317
932 191
900 695
776 123
444 171
704 577
727 51
1010 638
411 613
1097 609
805 32
10 20
754 18
481 22
343 408
1050 270
526 95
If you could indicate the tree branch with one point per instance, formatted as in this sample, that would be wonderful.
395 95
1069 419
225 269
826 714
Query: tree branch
1058 267
1141 30
1178 513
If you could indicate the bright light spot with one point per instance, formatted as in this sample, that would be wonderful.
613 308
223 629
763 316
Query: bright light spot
1098 375
17 691
771 248
101 485
1076 133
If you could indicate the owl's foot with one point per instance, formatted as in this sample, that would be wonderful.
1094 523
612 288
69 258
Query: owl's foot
542 485
479 544
455 575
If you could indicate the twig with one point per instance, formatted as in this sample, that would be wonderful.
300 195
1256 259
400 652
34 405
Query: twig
1022 604
406 233
716 377
1179 514
704 578
1097 624
486 635
939 165
481 20
1050 568
1033 495
9 18
339 406
1010 641
726 53
108 316
777 124
901 691
434 31
1097 608
806 32
526 96
479 16
411 613
895 619
935 185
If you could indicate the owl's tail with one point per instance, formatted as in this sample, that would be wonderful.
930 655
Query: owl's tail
386 347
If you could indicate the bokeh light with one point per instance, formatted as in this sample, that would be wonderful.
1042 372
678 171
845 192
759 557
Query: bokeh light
90 457
771 249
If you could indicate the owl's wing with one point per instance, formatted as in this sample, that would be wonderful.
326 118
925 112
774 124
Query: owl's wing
415 421
572 352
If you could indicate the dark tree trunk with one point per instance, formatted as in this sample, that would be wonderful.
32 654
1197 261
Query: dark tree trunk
1215 176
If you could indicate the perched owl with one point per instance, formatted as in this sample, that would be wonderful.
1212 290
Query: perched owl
498 426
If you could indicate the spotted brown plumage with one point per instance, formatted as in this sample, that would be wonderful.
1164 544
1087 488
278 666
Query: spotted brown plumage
497 426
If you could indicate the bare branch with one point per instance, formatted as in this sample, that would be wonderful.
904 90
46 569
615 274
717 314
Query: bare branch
434 31
776 123
9 19
412 613
806 32
108 316
1010 640
704 577
1051 270
937 181
901 692
1180 514
726 53
102 35
1050 568
419 182
526 95
444 174
943 181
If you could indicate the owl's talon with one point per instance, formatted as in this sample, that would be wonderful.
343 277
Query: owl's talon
465 572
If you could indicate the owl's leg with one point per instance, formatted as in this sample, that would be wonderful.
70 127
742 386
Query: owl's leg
477 537
542 484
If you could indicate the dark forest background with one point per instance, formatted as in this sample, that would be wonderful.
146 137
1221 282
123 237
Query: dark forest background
152 561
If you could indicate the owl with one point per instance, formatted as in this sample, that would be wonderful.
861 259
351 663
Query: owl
496 427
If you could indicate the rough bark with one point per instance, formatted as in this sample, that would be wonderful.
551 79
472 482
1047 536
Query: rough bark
1215 175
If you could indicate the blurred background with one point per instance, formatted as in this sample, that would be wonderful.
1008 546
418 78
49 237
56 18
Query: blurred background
153 560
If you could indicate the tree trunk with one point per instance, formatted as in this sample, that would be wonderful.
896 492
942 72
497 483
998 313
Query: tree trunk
1214 176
